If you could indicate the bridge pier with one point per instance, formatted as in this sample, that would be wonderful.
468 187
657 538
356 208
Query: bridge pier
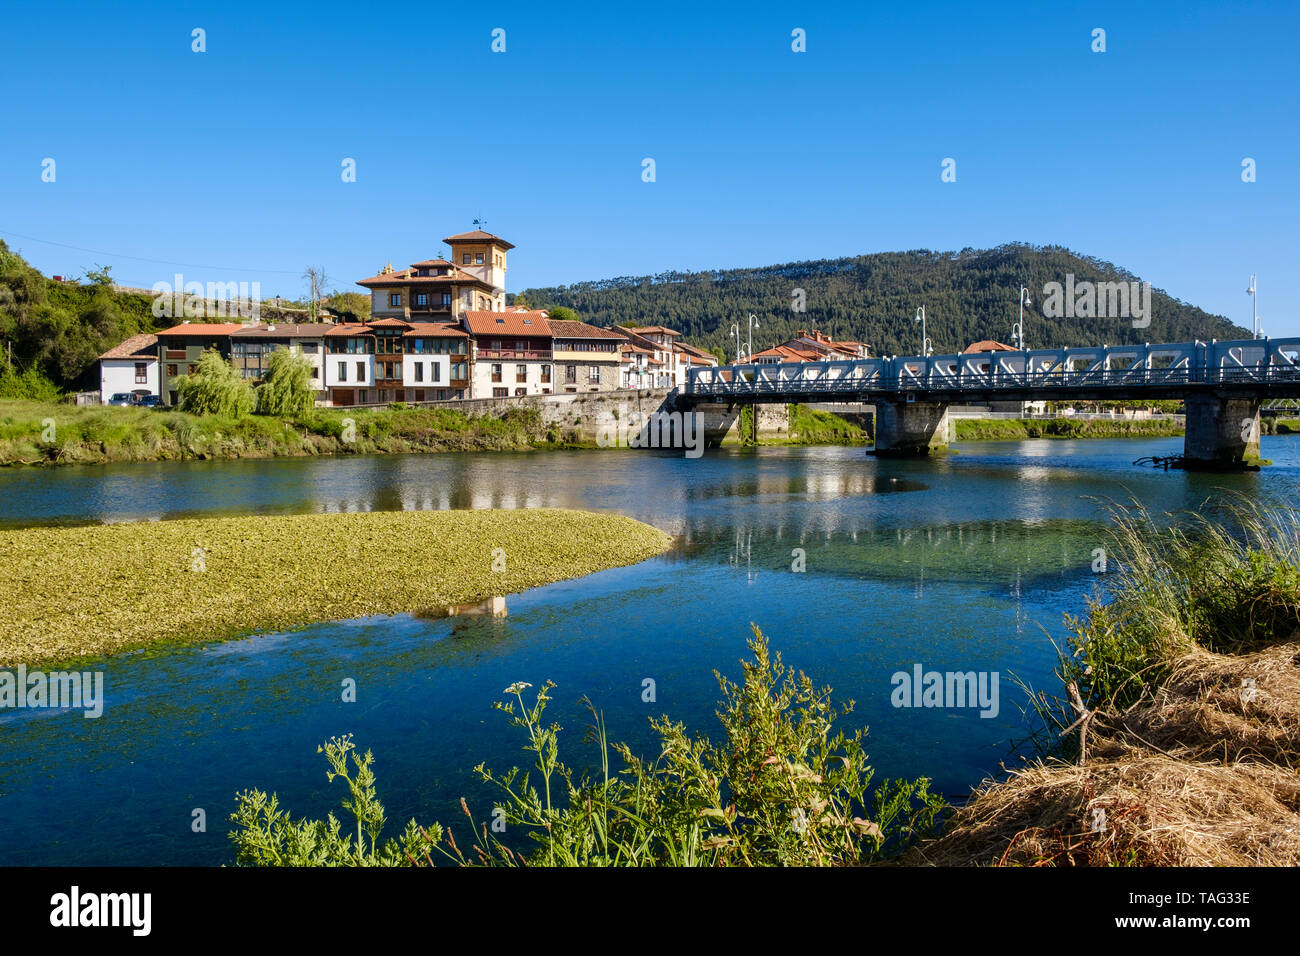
911 429
1222 433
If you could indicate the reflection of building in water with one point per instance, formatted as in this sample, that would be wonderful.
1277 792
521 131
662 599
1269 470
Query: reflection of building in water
492 607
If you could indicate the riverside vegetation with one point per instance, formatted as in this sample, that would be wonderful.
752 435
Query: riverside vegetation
72 592
1180 726
781 787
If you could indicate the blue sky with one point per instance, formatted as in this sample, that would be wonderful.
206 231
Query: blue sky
229 160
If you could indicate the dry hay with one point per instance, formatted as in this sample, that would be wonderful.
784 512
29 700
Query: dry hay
1203 774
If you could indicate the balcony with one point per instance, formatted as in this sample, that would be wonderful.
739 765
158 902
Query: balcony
513 354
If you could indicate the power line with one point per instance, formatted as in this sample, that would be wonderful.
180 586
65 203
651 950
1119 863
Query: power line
168 262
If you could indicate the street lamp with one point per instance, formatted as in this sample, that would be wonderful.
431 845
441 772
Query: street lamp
735 335
925 339
1253 303
753 324
1018 330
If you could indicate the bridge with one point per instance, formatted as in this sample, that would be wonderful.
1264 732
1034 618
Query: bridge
1223 386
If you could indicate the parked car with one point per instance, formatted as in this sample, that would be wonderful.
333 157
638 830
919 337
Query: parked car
150 401
120 398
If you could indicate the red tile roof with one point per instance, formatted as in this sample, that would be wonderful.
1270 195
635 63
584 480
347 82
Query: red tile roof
202 328
477 235
137 346
508 323
349 328
286 330
405 277
564 329
649 329
987 345
435 329
432 263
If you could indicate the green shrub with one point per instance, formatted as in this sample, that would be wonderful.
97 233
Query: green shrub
781 788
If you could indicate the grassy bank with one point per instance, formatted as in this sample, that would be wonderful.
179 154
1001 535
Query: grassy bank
71 592
1180 720
1013 429
811 427
36 433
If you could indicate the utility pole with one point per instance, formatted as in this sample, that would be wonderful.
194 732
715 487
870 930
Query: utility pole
1254 302
1018 330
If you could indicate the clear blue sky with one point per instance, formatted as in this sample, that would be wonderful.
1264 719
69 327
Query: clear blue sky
230 159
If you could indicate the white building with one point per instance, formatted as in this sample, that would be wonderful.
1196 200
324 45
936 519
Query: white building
131 367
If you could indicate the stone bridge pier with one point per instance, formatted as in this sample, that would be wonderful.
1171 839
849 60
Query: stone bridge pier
1222 433
911 429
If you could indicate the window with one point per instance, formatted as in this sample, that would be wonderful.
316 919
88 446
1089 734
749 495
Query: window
546 374
308 348
500 393
593 373
521 373
478 258
141 373
171 371
521 391
315 372
361 371
421 298
383 395
193 367
460 370
343 371
419 371
570 373
435 371
419 394
465 259
363 396
446 300
394 300
496 373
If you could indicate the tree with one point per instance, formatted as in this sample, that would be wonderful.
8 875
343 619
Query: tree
316 280
718 353
351 306
286 389
215 388
563 313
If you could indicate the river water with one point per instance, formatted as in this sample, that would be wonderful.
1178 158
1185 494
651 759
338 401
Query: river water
961 563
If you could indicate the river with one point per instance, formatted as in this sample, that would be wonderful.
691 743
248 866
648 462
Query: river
961 563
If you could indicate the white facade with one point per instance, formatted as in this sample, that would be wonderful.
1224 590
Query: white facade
434 371
349 370
125 374
538 375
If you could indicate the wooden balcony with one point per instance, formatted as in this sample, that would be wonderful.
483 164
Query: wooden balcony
513 354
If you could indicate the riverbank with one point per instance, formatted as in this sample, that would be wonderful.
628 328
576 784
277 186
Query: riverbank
38 433
1178 739
69 593
1014 429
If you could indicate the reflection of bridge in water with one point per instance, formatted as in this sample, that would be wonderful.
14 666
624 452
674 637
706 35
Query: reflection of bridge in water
1223 385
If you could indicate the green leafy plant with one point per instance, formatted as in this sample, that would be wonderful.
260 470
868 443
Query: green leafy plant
215 388
780 788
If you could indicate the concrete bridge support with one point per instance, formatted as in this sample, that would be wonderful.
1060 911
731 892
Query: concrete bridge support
911 429
1222 433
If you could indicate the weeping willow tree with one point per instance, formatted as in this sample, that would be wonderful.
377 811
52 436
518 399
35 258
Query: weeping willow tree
215 388
286 389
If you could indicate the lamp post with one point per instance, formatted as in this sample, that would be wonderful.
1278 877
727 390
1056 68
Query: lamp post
753 324
1018 330
735 335
1254 312
925 339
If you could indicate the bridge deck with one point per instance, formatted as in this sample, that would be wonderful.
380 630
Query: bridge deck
1265 368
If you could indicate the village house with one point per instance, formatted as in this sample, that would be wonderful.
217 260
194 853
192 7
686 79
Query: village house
181 346
131 368
512 353
587 358
251 347
473 279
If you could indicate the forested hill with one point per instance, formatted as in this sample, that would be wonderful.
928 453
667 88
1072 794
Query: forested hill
968 296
